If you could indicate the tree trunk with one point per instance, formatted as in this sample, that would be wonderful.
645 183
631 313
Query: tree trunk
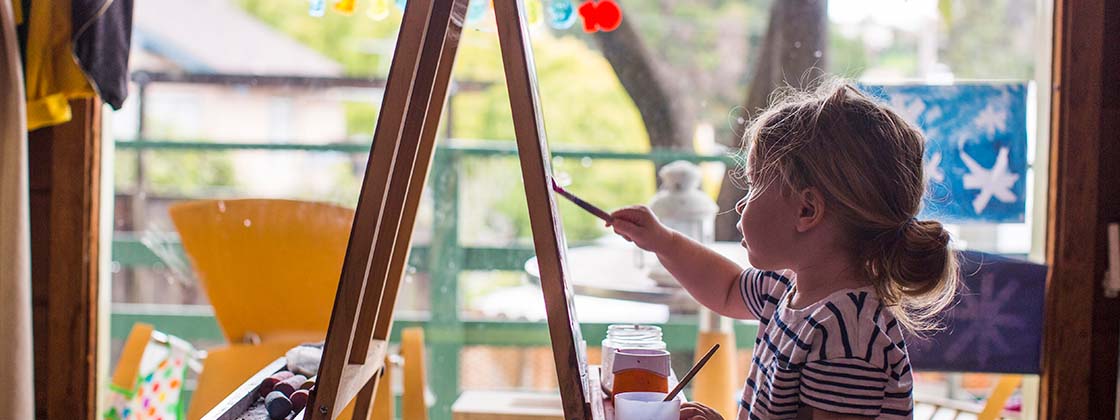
793 53
667 119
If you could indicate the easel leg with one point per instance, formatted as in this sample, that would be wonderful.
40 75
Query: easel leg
364 401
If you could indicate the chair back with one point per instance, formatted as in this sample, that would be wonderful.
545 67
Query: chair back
996 326
269 267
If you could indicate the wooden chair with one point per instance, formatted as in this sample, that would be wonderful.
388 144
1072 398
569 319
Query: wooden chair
1002 302
992 409
283 254
270 269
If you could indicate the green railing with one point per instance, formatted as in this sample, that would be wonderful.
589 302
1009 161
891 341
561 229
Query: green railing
445 332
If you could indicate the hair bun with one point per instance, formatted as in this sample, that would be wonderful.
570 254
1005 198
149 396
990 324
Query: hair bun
916 258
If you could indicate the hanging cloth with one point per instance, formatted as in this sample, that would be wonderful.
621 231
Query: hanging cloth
53 76
148 381
102 35
17 401
63 37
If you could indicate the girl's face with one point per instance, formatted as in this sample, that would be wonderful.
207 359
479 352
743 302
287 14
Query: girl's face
767 221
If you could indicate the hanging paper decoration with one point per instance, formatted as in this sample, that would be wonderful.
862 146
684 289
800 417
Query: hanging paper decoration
345 7
477 10
159 385
378 10
318 8
561 14
976 152
601 15
533 10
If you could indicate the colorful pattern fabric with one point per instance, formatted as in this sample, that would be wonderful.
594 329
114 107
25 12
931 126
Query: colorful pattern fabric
157 394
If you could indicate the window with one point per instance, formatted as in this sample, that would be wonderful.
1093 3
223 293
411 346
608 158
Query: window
238 99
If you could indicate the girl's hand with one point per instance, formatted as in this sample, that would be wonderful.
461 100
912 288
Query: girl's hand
639 225
697 411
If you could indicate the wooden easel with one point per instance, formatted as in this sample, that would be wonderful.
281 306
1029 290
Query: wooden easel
380 239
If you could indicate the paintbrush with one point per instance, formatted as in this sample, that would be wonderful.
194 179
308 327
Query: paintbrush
598 212
691 373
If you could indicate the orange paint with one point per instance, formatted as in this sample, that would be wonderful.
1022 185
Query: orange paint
639 380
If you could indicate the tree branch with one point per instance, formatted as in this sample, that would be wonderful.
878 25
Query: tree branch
668 122
793 52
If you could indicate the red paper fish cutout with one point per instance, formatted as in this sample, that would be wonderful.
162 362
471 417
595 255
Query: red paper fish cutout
602 15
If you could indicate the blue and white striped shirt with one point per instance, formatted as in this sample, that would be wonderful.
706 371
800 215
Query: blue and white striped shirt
844 354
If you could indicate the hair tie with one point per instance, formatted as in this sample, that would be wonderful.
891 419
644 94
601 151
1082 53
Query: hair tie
901 231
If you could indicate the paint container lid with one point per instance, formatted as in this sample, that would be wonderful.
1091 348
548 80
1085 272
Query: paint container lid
654 361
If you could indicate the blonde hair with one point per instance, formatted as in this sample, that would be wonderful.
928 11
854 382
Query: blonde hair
866 160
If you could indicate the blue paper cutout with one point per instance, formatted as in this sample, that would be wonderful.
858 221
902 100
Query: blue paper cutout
976 155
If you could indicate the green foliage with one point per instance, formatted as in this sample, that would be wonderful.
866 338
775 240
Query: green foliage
361 118
847 55
346 39
174 173
991 40
583 106
707 47
189 173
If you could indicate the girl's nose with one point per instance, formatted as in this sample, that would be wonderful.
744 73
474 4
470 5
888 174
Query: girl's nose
740 205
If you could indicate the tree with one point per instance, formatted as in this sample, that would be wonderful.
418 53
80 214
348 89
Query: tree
668 121
792 52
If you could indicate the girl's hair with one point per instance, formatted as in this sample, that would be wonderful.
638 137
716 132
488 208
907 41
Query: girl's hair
867 162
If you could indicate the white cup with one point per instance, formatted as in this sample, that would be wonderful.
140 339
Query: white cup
645 406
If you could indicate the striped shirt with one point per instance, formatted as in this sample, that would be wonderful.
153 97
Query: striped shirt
843 354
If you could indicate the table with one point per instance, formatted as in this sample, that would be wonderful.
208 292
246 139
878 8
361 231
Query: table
617 269
523 405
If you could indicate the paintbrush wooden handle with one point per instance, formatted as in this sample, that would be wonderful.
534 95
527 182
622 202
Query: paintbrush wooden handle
590 208
691 373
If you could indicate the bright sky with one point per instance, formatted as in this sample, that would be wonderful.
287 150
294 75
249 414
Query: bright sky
899 13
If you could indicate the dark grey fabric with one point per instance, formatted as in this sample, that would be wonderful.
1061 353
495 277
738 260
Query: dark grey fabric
102 35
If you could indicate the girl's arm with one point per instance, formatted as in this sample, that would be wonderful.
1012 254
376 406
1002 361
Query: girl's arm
711 278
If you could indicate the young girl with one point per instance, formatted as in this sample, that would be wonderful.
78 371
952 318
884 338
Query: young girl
840 265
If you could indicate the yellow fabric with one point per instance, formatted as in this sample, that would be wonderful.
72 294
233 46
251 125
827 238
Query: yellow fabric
53 75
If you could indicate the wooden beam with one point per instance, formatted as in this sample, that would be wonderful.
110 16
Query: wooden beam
399 161
1081 334
548 232
428 128
333 392
64 179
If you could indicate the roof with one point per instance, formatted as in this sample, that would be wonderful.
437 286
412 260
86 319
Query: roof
218 37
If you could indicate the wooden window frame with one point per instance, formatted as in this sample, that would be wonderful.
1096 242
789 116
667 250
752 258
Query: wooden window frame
1079 367
1079 360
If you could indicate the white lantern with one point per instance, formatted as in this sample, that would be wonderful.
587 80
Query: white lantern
682 206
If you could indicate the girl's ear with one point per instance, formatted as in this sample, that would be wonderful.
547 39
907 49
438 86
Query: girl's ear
810 209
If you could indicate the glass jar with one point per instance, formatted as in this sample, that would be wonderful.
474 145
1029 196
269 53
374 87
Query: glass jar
627 336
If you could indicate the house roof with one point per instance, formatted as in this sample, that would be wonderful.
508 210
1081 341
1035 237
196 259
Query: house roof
217 36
